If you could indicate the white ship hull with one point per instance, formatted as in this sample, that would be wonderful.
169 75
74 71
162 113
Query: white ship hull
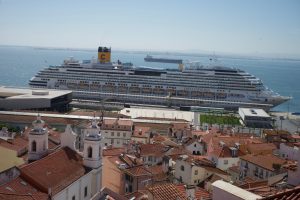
193 86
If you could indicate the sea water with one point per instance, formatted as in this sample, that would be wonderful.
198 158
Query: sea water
19 64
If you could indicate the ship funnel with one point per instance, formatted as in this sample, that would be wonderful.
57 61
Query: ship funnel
104 54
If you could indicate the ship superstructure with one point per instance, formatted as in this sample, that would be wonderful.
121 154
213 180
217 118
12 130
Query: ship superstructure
190 85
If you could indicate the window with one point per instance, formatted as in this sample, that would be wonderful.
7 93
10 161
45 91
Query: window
182 168
85 191
124 134
33 146
112 134
73 197
195 145
90 152
225 162
118 134
196 172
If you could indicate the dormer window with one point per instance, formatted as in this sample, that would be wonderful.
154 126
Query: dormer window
234 152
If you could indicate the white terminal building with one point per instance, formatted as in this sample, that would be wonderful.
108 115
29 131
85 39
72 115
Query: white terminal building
12 98
256 118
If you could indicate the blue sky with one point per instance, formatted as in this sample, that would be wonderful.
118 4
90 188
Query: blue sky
228 26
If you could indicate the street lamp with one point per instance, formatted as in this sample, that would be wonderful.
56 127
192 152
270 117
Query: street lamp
281 118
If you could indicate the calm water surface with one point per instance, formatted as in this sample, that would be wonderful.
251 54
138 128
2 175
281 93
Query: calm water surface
19 64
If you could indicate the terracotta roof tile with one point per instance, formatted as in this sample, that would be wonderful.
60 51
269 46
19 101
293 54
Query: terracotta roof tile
264 161
156 127
235 169
254 184
118 122
166 191
141 131
55 171
138 171
293 194
113 151
152 149
140 195
18 144
106 192
263 148
18 188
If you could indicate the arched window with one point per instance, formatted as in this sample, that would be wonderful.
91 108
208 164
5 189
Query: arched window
90 152
182 168
100 151
33 146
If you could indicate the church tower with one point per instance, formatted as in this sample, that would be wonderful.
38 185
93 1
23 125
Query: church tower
38 140
92 152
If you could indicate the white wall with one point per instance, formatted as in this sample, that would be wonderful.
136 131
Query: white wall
151 160
221 163
186 174
77 189
115 137
195 147
288 152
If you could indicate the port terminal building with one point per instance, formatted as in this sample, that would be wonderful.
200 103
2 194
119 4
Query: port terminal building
12 98
255 118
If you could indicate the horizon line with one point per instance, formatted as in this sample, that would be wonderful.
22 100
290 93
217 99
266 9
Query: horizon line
187 52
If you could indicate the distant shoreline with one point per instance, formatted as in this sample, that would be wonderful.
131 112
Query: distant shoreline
163 52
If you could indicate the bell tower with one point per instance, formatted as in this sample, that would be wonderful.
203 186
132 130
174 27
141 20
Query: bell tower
92 152
38 140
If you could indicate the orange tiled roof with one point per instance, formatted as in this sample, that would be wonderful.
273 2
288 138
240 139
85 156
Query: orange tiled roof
200 193
17 144
55 171
18 188
107 193
254 184
166 191
152 149
262 148
293 194
264 161
235 169
164 127
141 131
115 151
118 122
138 171
180 126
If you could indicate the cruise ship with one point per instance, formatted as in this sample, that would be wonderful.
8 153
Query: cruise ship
192 84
